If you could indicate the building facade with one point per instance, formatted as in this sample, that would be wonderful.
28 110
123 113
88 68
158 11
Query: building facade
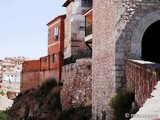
88 27
56 43
11 67
75 26
54 60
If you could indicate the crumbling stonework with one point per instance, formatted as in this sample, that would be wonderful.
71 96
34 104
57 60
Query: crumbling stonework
76 90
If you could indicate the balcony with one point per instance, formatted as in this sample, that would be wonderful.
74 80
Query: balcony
88 24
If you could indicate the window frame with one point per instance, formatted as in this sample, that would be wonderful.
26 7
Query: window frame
53 57
56 32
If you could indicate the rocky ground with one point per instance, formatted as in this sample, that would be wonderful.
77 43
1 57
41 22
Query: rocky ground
44 104
8 92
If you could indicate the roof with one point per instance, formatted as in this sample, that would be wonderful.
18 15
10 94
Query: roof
67 3
56 18
87 12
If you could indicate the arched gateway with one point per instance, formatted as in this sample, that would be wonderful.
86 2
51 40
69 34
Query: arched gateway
150 43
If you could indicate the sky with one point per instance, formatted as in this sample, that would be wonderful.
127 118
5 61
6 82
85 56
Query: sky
23 29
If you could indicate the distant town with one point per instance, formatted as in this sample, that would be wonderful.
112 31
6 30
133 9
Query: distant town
10 68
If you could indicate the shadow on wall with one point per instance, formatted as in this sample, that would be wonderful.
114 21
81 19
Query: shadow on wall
87 53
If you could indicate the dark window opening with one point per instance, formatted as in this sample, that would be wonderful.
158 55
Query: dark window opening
150 43
53 57
86 3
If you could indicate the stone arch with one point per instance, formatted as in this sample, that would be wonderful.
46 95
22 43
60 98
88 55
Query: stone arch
139 30
128 36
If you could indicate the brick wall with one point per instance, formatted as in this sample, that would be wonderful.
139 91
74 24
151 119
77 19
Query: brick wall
103 85
56 46
118 29
44 63
33 79
141 77
31 65
35 71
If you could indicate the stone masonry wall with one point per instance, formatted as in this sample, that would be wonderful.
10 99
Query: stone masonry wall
32 79
76 78
141 77
118 28
132 18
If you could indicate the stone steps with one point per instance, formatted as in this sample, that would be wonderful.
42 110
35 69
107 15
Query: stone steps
151 108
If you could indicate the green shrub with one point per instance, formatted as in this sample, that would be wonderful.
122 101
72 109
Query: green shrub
80 113
4 114
97 117
48 85
104 115
121 104
2 92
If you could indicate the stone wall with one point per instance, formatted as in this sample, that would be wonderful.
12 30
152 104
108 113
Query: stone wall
76 78
118 28
141 77
132 18
33 79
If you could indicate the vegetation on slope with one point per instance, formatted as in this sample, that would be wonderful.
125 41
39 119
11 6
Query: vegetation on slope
121 105
4 114
44 104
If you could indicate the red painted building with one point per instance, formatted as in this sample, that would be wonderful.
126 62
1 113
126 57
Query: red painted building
56 42
54 59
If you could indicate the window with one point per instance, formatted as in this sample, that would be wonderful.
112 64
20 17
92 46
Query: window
53 57
45 60
48 34
56 33
86 3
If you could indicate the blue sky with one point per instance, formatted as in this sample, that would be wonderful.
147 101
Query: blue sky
23 29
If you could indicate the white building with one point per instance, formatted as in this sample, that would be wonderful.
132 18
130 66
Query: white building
11 76
11 68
